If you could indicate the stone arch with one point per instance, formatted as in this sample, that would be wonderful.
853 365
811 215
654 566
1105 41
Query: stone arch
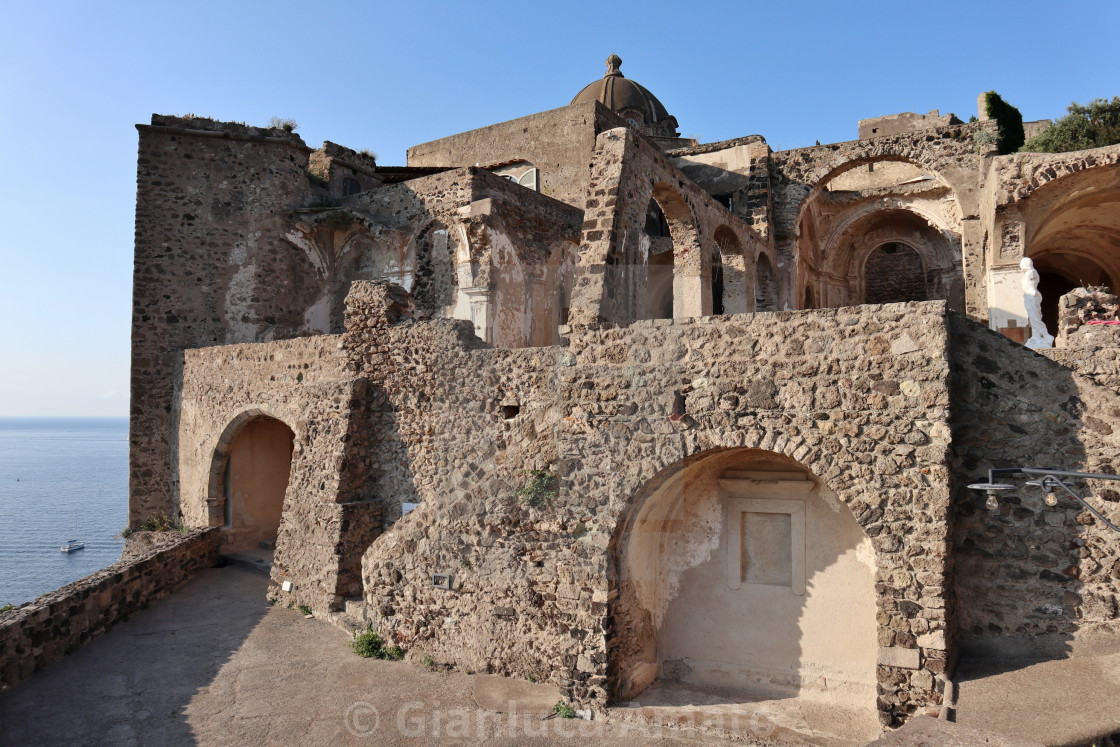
794 609
832 237
660 262
249 473
690 269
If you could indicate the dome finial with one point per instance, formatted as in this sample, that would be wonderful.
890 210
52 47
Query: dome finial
614 62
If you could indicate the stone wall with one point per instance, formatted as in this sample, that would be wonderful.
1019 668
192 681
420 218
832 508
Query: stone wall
1030 578
904 123
331 511
857 396
40 633
558 142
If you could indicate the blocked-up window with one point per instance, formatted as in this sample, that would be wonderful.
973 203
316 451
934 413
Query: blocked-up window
765 537
766 552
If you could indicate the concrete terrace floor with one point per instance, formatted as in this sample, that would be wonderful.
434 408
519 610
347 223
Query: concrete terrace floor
213 664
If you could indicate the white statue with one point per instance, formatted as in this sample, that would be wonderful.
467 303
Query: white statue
1032 299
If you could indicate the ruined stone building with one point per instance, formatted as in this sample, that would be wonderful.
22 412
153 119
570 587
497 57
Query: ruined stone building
574 398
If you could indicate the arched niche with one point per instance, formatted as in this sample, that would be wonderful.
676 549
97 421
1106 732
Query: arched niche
744 572
861 205
1073 234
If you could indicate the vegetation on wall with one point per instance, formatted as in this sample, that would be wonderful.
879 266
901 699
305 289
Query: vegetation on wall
1091 125
539 490
1010 121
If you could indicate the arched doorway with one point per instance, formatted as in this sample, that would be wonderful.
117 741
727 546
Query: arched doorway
252 464
743 572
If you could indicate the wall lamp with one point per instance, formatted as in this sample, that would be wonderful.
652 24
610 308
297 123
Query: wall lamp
1046 478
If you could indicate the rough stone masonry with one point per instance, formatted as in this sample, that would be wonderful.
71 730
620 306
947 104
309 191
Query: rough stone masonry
561 390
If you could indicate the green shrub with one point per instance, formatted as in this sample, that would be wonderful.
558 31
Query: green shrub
286 124
563 710
304 609
159 523
1093 125
540 489
369 645
7 608
1010 122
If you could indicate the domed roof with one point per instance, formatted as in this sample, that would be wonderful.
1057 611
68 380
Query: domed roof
629 98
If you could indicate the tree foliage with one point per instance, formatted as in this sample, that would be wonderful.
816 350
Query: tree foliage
1091 125
1010 121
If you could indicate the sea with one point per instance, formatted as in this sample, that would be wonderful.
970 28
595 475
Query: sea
60 479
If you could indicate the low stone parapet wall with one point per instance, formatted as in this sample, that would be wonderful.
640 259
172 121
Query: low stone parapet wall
39 633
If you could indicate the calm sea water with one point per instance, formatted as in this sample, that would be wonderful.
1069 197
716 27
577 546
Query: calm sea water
60 479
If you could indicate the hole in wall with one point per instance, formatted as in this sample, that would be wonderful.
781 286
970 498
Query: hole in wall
509 412
679 406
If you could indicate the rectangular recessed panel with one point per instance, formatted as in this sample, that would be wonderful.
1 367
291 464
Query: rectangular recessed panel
767 549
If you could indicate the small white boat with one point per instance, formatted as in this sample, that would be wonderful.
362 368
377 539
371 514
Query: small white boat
72 545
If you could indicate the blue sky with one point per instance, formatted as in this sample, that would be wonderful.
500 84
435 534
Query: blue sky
75 78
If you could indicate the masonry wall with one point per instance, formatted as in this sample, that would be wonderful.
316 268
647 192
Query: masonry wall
331 512
1029 578
39 633
211 267
857 396
558 142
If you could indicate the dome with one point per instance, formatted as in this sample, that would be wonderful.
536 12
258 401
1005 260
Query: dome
630 100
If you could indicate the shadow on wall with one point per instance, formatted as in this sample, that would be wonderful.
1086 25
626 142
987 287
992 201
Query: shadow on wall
1032 582
741 572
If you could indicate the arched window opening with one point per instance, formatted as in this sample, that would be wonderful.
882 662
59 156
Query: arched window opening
810 300
782 604
350 186
893 274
